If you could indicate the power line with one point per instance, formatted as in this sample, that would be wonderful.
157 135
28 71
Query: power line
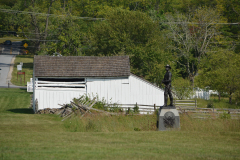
60 34
235 23
45 14
10 32
90 18
33 39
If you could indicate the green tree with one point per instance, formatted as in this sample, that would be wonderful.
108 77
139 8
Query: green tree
182 88
135 34
71 38
221 73
192 36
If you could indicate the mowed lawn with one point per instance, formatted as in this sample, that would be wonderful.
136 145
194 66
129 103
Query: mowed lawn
24 135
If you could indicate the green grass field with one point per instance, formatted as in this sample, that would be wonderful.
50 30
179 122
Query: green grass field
24 135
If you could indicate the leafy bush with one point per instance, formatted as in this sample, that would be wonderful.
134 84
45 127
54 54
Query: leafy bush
136 108
182 88
225 115
115 108
137 129
210 104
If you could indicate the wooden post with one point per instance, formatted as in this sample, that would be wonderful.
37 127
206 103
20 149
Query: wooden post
20 73
195 103
154 107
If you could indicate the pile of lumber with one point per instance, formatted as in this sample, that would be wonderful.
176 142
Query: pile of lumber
67 110
77 108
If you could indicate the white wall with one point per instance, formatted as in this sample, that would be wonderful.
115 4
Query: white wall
50 98
130 90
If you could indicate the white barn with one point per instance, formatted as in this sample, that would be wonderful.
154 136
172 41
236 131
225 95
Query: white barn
60 79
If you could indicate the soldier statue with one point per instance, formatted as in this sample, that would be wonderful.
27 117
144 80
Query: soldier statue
167 82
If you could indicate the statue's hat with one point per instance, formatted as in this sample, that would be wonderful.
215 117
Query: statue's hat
168 66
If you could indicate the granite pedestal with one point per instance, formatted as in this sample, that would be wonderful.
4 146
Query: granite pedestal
168 118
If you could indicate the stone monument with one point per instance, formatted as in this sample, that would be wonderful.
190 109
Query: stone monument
168 117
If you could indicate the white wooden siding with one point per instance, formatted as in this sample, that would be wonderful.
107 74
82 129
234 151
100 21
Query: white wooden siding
50 98
49 93
129 90
124 90
144 92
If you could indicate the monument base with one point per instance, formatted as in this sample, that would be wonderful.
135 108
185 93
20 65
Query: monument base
168 118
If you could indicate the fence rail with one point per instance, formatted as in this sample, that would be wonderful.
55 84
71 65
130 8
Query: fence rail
193 111
185 103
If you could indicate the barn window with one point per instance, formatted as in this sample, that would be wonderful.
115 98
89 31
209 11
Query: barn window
61 83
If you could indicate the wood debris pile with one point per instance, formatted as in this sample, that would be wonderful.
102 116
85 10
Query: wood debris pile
48 111
67 110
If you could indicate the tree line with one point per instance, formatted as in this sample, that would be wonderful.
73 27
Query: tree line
199 39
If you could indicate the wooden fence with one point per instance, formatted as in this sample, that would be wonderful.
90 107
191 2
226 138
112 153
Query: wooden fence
143 109
148 109
188 107
185 103
204 113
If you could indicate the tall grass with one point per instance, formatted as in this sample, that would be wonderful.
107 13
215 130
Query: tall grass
209 125
120 123
106 123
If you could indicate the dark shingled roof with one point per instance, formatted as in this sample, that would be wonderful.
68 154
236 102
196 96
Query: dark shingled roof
81 66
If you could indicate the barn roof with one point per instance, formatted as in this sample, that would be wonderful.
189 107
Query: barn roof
81 66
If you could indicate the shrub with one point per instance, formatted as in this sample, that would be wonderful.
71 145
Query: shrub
210 104
182 88
136 108
137 129
225 115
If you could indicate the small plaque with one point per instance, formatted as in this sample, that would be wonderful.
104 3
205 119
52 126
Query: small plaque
19 67
21 72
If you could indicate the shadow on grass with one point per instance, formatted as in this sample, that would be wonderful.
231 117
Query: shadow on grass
26 65
22 110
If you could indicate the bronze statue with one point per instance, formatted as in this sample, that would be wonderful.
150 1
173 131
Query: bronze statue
167 82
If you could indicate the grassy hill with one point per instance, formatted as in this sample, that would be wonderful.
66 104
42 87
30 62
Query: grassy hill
24 135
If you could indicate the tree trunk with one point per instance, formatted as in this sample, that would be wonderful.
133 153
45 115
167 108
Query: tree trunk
230 98
157 6
219 96
47 19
